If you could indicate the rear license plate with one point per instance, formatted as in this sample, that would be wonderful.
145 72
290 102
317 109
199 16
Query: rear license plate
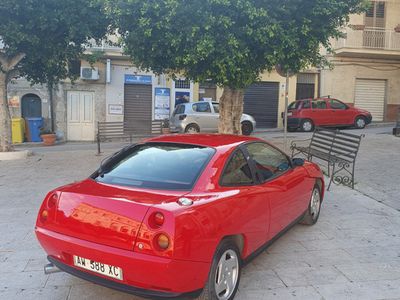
94 266
289 114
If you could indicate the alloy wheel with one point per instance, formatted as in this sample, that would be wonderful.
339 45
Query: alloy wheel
226 275
315 205
307 126
360 123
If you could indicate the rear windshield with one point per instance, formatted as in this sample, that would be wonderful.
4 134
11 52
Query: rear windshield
157 166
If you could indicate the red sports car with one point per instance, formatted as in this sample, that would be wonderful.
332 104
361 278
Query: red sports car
178 215
308 113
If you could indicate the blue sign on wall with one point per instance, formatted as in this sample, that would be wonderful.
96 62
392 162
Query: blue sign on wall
163 92
138 79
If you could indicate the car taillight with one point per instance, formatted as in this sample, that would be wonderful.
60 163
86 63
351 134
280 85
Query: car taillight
156 220
156 234
44 215
52 200
48 210
162 241
182 117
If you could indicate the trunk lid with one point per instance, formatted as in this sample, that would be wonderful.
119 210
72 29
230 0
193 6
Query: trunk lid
105 214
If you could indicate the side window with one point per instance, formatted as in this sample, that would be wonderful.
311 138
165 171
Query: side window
294 105
202 107
216 108
306 104
270 162
319 104
335 104
180 109
237 171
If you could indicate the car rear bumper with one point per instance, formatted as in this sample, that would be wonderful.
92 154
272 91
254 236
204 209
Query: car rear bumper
143 275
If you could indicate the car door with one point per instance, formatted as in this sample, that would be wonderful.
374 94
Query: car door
340 114
319 112
284 187
204 117
250 203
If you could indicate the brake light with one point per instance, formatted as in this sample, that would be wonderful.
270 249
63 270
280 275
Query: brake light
182 117
156 220
47 211
52 200
156 234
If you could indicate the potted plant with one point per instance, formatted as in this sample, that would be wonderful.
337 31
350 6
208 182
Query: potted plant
165 127
48 137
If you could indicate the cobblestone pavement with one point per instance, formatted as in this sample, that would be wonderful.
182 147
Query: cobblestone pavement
353 252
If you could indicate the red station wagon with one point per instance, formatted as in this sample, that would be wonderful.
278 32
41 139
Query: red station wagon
308 113
178 215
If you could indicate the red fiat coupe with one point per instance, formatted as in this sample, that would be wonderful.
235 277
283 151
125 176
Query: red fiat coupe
178 215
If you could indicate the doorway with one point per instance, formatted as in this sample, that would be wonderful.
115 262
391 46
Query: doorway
31 106
80 116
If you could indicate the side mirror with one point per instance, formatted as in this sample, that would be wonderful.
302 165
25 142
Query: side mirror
283 166
297 162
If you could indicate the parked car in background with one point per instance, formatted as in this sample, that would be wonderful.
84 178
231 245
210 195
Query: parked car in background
178 215
194 117
307 113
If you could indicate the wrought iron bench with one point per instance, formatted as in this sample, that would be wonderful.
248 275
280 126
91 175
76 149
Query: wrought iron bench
119 130
337 148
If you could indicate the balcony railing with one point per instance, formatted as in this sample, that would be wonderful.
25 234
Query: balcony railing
370 38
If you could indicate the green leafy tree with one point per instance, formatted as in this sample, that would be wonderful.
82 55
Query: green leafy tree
38 39
229 42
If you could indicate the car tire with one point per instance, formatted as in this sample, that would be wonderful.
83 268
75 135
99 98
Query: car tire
360 122
314 207
192 128
307 125
227 251
247 128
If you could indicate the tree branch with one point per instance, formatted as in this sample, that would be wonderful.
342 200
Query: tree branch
8 64
12 74
15 60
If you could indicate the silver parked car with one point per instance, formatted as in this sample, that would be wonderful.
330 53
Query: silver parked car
203 116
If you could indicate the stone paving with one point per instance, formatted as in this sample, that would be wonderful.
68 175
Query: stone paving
353 252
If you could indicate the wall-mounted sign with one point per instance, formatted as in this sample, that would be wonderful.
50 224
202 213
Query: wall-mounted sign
161 103
14 102
138 79
182 97
114 109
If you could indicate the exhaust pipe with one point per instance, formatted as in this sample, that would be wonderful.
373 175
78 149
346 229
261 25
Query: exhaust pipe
50 269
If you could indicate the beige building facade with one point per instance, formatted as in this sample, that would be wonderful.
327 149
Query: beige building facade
366 63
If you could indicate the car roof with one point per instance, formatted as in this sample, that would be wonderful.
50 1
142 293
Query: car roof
205 140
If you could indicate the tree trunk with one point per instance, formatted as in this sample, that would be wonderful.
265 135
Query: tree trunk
5 117
230 111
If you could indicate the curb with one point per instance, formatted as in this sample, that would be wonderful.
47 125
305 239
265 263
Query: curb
15 155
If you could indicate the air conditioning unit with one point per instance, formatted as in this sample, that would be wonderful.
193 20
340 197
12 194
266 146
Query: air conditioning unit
88 73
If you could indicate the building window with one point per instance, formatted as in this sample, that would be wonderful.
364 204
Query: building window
182 84
375 16
207 91
75 67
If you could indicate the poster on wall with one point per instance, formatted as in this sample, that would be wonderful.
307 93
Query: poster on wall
182 97
161 103
14 102
114 109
